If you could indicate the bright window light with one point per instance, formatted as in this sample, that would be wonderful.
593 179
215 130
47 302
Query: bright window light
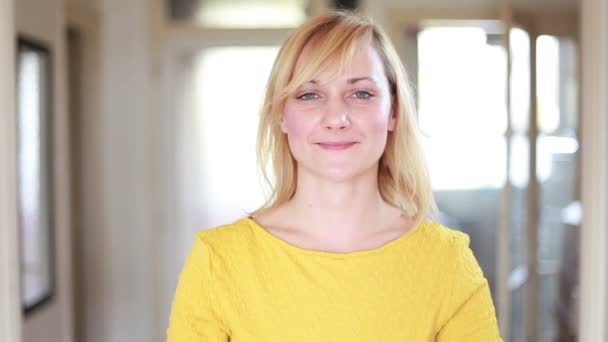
462 87
547 64
520 79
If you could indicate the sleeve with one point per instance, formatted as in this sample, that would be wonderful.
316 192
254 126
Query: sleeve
193 314
471 312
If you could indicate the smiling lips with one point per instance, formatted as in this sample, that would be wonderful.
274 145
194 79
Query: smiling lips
336 145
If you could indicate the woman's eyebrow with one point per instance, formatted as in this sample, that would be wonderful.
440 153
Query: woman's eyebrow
357 79
350 80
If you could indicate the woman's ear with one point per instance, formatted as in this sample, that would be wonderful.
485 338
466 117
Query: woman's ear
392 120
282 124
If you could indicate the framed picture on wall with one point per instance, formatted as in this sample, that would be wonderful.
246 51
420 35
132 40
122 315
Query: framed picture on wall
34 172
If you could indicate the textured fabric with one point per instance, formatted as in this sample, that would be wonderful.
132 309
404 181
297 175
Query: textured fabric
242 283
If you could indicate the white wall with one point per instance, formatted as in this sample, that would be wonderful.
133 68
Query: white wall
593 318
10 310
121 159
44 21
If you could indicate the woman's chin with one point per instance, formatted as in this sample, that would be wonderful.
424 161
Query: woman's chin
340 175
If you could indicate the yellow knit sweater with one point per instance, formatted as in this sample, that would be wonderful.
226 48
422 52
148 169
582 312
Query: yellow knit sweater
241 283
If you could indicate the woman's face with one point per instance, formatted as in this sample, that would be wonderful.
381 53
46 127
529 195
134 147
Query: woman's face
337 128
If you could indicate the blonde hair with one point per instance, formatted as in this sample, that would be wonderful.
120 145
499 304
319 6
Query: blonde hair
403 179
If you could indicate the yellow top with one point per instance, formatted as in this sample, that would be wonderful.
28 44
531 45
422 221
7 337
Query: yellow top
242 283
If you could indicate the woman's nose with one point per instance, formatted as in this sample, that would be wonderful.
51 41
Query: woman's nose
336 116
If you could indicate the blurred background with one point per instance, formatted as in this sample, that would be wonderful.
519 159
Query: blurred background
127 126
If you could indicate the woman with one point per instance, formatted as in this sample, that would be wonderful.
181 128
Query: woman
342 251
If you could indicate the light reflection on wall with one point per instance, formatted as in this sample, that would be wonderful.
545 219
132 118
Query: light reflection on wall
230 84
251 14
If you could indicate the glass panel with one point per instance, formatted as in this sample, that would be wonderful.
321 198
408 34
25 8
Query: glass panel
557 162
239 13
463 119
34 174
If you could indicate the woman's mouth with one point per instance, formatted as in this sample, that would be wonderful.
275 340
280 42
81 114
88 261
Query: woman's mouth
338 145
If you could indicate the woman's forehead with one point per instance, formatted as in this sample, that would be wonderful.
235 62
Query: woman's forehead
361 62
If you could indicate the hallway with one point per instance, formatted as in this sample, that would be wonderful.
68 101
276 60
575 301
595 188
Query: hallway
126 127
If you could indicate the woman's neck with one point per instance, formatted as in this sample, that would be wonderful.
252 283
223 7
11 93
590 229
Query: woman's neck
345 209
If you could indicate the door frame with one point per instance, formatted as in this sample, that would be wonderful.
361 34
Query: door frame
83 167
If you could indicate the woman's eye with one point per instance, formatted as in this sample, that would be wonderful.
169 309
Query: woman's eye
308 96
362 95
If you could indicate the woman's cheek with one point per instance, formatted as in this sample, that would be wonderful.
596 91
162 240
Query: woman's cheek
297 124
376 121
297 135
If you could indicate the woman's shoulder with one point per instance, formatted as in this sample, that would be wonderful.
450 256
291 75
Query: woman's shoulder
452 250
221 246
225 234
447 246
444 237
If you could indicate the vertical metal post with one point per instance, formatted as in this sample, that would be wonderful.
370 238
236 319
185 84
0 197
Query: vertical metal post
503 243
531 311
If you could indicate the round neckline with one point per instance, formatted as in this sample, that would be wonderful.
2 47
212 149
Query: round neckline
386 246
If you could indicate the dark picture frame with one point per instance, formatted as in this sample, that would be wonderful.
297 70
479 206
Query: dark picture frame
34 172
